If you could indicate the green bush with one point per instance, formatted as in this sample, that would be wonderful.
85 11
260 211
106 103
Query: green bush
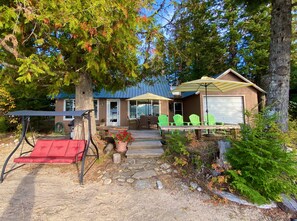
261 168
176 148
3 124
176 143
293 109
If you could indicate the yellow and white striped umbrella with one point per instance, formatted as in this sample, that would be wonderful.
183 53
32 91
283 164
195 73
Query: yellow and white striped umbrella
148 96
210 84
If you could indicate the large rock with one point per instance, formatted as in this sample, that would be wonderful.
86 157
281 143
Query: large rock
288 204
143 184
144 174
237 199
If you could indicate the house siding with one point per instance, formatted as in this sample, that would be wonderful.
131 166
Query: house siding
192 103
124 113
164 109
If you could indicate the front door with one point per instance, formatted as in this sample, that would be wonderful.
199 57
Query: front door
113 112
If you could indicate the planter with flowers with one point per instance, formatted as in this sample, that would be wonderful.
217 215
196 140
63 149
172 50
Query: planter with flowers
122 139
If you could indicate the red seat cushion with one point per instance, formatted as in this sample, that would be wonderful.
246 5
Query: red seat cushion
41 148
75 146
55 151
58 160
58 148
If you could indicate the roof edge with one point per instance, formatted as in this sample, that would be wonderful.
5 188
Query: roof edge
242 78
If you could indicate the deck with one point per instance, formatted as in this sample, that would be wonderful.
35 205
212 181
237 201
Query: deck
234 128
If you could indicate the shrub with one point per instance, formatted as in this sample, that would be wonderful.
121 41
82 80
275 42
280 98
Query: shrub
261 168
176 146
3 124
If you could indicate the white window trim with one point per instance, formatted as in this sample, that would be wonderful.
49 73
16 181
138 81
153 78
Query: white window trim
64 109
73 100
182 107
129 110
137 107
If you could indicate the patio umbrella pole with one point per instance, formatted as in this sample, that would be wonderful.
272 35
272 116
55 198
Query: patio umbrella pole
206 104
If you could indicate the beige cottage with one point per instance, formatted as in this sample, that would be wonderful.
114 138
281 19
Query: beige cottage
114 110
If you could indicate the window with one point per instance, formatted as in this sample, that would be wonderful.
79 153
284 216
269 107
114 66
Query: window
96 111
132 109
156 108
138 108
69 105
178 108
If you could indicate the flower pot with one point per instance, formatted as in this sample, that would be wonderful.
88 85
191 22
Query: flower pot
121 146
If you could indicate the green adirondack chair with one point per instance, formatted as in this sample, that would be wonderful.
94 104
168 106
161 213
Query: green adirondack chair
163 120
212 121
195 120
179 120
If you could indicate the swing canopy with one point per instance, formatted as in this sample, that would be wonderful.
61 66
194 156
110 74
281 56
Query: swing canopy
31 113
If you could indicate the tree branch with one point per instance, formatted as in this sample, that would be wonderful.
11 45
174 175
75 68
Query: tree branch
9 65
159 9
294 4
32 32
12 39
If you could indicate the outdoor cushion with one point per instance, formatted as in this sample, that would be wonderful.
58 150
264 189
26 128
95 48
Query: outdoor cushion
55 151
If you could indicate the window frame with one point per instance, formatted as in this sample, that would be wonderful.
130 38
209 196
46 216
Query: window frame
151 108
66 118
182 107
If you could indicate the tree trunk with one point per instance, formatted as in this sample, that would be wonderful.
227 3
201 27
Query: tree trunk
84 101
277 81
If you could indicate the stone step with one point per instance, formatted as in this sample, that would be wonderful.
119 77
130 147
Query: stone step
147 153
145 144
145 134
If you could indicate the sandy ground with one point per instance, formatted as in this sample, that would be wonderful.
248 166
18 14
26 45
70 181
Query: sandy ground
52 192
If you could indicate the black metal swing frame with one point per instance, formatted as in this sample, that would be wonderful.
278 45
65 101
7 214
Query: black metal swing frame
26 114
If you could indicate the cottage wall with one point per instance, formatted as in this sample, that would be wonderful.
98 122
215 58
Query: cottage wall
164 109
102 111
124 113
191 105
249 94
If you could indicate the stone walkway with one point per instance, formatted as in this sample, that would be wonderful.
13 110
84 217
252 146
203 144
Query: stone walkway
142 174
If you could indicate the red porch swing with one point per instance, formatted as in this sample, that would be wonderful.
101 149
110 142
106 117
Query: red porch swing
53 151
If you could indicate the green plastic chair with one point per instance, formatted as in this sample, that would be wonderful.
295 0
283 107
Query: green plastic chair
163 120
179 120
211 120
195 120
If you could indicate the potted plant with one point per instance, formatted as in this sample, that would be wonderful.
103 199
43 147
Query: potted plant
122 139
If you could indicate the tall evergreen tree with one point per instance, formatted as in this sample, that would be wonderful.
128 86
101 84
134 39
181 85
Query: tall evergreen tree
194 48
